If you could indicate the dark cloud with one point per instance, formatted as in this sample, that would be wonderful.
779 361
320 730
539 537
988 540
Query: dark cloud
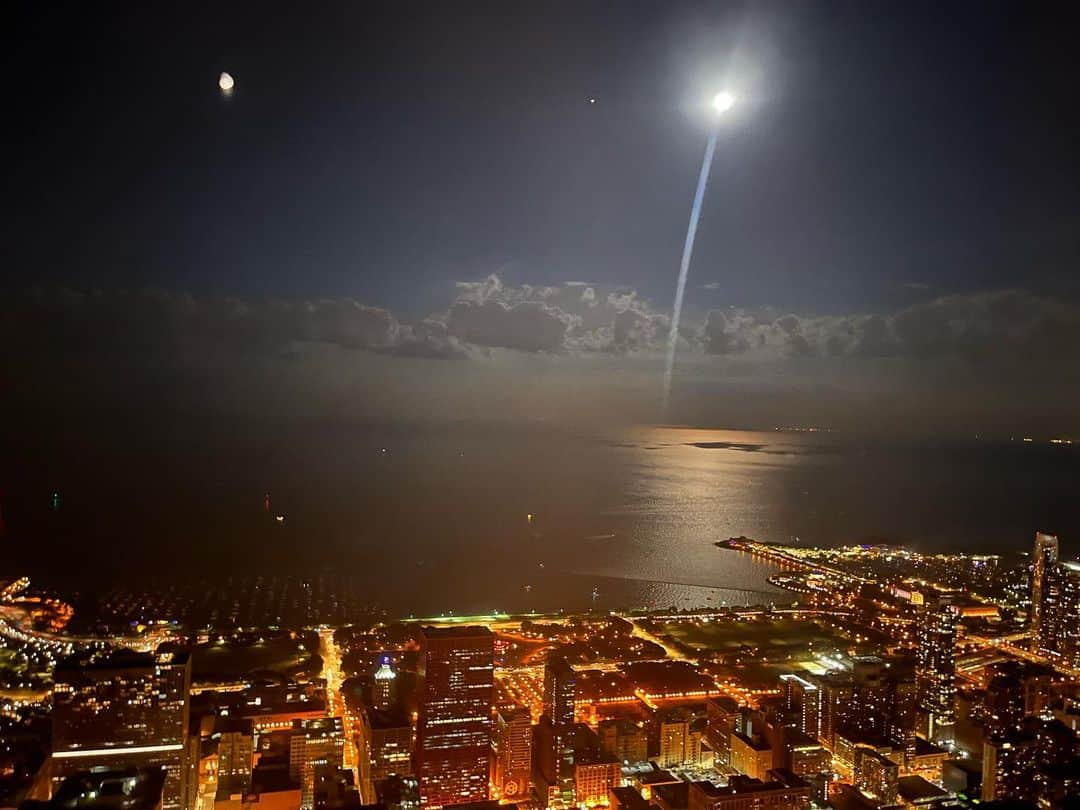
527 327
978 351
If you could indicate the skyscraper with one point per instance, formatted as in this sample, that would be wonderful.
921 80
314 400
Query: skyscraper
384 691
674 738
802 703
453 742
560 692
385 749
512 760
126 710
236 747
1044 560
935 669
1059 614
314 744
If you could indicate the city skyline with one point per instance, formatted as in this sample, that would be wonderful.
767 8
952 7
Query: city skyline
564 406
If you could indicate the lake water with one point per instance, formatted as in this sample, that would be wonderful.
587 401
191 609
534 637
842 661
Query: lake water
469 519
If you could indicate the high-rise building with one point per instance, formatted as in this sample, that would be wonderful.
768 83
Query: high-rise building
674 740
623 740
560 690
560 693
1059 619
837 698
751 755
128 710
314 744
876 775
721 714
808 759
384 689
935 669
1004 704
236 749
1044 560
385 749
512 753
453 735
802 704
1022 764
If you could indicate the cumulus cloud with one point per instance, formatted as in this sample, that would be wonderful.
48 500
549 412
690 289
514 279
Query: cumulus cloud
978 349
529 326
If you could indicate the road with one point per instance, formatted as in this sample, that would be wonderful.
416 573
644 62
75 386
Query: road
330 653
672 652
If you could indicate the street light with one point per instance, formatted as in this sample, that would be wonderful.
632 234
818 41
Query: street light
721 103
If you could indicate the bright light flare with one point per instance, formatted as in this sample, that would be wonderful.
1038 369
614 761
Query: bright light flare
722 102
226 83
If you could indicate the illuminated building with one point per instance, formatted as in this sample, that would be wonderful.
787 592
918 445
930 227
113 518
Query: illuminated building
837 698
560 691
927 761
935 670
1004 704
384 691
236 748
808 759
129 710
512 754
314 744
623 740
802 703
876 775
1044 559
1024 764
1009 767
453 739
721 714
385 748
674 740
751 755
593 781
780 790
1059 628
646 782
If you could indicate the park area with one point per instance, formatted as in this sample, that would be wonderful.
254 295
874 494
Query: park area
236 658
779 637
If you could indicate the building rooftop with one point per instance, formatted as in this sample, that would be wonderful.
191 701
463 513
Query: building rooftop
926 748
656 776
382 718
130 789
629 798
740 783
915 788
757 743
673 796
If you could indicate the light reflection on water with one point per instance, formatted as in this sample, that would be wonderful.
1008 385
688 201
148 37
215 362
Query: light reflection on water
428 520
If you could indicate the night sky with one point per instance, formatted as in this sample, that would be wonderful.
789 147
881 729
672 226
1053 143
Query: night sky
416 212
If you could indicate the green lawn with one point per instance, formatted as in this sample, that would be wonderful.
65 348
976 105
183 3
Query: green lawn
728 636
231 659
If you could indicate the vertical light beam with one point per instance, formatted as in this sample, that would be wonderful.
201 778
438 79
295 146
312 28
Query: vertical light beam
684 268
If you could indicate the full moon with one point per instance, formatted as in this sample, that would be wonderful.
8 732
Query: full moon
226 83
723 102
